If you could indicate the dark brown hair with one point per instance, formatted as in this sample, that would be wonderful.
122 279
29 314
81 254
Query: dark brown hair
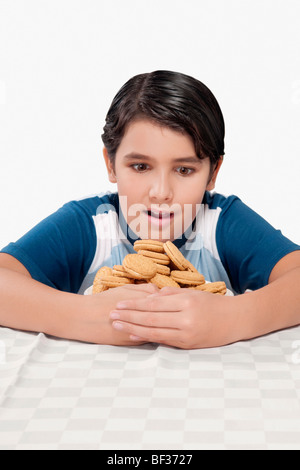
172 100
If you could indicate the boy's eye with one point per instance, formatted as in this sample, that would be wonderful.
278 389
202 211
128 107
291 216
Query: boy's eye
183 171
140 167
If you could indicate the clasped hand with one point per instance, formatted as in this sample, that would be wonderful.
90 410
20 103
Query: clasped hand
183 318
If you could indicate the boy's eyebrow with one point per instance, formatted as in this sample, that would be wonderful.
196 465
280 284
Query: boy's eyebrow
139 156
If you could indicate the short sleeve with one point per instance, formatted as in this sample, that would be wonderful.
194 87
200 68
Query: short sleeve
249 247
59 250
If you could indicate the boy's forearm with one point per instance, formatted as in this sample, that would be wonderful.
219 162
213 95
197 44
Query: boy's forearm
272 308
28 305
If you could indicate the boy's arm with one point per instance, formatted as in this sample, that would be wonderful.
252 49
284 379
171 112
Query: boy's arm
192 319
28 305
275 306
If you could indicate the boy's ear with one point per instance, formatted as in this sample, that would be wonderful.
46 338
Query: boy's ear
110 168
212 182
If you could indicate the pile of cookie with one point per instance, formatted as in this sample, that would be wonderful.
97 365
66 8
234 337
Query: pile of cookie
161 264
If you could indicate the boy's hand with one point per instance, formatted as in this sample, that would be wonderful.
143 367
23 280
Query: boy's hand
95 324
183 318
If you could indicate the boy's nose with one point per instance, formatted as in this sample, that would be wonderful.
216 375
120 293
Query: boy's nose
161 190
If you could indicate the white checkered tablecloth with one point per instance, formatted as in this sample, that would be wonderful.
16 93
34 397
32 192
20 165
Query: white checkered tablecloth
57 394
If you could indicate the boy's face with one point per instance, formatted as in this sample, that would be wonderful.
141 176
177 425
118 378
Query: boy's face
161 181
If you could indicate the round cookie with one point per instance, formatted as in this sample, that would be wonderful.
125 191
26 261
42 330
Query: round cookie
213 287
159 258
176 256
119 270
151 245
104 271
139 267
162 269
115 281
98 288
163 281
188 278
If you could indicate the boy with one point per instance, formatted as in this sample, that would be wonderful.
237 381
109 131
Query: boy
164 147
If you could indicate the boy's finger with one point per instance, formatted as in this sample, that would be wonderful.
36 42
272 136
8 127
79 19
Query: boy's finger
127 319
146 287
152 303
170 291
149 334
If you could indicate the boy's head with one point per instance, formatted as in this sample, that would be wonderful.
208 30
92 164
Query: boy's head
164 144
169 99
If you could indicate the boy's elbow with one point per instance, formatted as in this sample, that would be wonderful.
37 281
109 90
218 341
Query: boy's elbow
11 263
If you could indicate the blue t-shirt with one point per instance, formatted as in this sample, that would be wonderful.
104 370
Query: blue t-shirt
226 242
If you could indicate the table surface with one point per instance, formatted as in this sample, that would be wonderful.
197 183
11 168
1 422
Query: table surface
58 394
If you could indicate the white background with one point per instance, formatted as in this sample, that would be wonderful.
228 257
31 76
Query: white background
62 62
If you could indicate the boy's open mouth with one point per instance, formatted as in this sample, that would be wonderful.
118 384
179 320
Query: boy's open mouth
159 217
